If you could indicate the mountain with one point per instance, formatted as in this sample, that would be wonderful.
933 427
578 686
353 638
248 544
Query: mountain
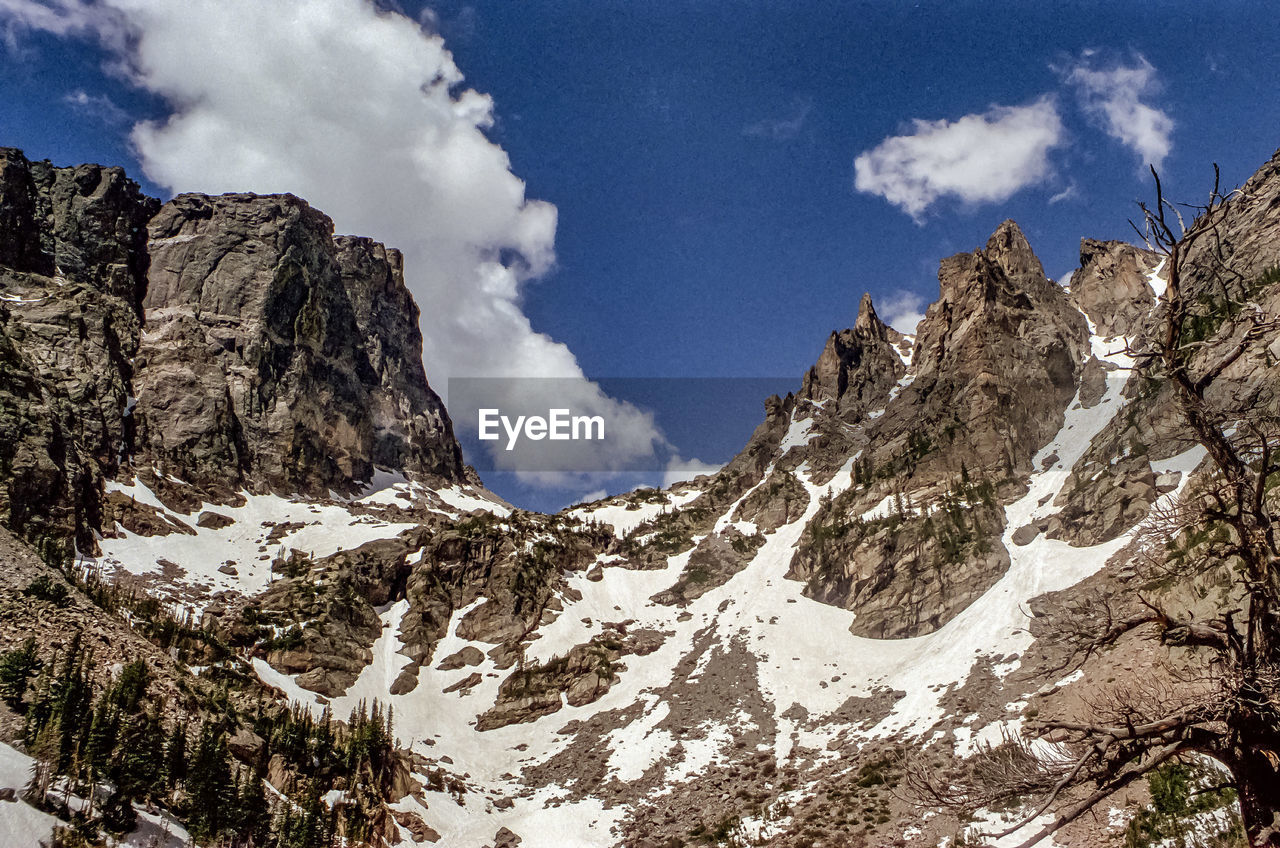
217 425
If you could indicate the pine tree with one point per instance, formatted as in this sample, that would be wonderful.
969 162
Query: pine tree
311 829
104 732
16 668
255 811
118 815
140 766
282 832
130 686
209 784
175 757
72 707
41 709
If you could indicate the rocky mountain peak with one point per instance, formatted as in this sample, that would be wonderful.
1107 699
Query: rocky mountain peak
86 224
276 357
1112 285
868 322
73 263
1244 241
1009 249
857 366
228 343
998 327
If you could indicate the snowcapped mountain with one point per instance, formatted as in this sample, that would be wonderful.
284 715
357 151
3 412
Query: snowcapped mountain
219 404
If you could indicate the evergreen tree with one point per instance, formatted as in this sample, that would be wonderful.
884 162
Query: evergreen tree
311 829
41 709
16 668
104 732
71 707
175 757
209 784
254 810
139 769
118 815
130 686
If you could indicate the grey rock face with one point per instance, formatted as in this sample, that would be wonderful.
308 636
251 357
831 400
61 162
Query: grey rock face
263 353
276 358
86 224
858 366
998 357
997 360
412 430
1111 285
72 269
1113 485
1245 241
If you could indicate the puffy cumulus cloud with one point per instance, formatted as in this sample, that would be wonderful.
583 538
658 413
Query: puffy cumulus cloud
1114 97
364 114
979 158
903 311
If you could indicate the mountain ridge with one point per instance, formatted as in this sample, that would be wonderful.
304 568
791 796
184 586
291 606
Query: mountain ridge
747 656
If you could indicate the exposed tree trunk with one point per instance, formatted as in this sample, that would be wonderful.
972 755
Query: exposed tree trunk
1257 778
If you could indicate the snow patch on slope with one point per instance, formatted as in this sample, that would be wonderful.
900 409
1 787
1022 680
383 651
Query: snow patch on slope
626 516
326 529
21 825
796 642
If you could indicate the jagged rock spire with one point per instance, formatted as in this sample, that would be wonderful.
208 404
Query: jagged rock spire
1009 249
868 322
858 365
998 328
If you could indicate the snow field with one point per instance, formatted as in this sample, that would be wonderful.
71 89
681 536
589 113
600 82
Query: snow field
797 643
329 528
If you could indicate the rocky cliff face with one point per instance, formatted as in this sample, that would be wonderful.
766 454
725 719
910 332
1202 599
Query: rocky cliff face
997 360
1113 285
225 343
275 358
73 264
858 367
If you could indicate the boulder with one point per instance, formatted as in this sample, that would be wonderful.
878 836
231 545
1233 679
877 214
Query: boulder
214 520
245 745
470 655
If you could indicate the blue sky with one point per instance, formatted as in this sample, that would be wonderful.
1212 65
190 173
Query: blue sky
700 157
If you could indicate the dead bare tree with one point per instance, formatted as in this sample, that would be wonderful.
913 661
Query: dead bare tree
1222 696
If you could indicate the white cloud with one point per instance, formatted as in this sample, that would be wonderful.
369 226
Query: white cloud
98 106
680 470
60 17
979 158
364 114
1067 193
1113 97
903 311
